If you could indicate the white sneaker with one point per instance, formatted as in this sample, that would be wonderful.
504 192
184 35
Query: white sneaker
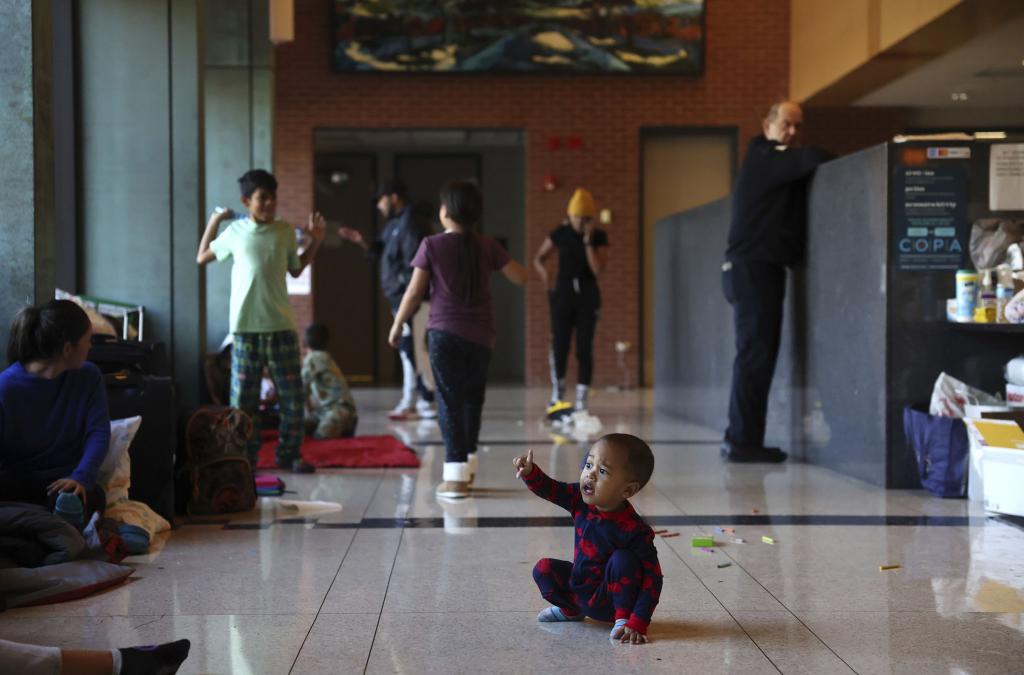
451 489
426 410
403 411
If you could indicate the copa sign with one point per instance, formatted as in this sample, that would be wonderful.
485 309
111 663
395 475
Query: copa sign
929 245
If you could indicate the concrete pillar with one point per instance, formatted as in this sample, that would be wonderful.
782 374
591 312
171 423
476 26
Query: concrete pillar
141 159
26 157
238 100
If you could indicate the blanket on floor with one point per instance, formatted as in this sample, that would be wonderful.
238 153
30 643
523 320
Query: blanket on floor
361 452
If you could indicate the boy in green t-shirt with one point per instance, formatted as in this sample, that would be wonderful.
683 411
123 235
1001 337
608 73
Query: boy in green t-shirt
262 321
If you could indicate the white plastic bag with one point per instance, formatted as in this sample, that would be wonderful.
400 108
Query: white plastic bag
1015 309
1014 371
950 396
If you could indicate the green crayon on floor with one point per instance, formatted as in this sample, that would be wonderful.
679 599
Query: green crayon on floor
702 541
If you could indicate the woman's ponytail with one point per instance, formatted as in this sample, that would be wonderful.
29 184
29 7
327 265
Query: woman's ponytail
40 333
21 340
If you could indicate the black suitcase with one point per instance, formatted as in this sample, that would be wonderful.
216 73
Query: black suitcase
111 355
152 451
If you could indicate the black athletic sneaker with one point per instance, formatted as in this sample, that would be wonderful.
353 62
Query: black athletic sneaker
297 466
752 454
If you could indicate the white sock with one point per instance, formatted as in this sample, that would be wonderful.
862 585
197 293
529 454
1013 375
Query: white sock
582 392
553 614
457 472
116 656
408 382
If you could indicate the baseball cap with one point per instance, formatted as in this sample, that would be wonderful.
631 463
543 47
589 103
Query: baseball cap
390 187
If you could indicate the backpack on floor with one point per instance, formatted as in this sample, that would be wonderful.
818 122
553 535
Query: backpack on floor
216 473
941 447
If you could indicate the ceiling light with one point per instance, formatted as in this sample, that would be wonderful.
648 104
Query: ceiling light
989 135
959 96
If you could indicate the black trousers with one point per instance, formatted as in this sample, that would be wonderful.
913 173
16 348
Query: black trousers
20 487
460 371
574 311
756 292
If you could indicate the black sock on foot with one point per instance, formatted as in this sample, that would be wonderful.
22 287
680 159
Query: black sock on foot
162 659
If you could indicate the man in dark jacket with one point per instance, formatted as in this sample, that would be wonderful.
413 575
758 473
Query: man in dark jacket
394 248
767 235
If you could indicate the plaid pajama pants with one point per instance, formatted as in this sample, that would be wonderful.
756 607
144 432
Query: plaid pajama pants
279 353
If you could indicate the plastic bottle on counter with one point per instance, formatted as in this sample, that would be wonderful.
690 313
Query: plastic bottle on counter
1004 291
987 295
966 295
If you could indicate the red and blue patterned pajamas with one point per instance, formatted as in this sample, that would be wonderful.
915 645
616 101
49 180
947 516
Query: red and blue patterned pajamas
615 572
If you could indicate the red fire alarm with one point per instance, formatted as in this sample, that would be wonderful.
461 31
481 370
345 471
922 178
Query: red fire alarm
550 183
575 143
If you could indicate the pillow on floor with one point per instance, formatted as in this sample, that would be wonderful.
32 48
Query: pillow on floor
24 587
115 474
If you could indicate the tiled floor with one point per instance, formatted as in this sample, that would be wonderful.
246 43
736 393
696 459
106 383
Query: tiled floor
431 587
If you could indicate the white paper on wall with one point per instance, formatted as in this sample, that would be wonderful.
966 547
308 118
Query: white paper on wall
302 284
1006 177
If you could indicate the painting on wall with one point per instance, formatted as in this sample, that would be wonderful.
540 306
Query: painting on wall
519 36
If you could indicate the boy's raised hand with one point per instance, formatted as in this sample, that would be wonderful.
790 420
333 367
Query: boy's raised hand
317 227
524 465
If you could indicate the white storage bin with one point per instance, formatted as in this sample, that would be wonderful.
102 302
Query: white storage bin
1002 472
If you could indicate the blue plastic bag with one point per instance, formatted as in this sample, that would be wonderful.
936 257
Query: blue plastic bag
941 447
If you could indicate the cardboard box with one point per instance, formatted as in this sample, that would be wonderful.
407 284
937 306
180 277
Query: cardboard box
997 446
975 483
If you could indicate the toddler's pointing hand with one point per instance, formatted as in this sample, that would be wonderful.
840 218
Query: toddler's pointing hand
524 465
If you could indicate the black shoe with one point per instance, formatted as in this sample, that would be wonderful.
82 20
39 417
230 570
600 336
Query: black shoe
752 454
297 466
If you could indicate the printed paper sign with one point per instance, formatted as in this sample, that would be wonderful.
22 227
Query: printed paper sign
930 209
1006 177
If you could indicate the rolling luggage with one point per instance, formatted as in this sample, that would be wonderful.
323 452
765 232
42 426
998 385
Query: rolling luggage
131 393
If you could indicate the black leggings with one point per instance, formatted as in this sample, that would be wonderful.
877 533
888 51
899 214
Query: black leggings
460 370
574 311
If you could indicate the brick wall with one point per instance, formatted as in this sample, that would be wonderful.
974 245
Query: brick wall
746 69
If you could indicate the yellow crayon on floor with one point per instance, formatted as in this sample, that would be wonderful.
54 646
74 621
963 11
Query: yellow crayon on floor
768 540
882 568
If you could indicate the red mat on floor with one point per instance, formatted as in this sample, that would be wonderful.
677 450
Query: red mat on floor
361 452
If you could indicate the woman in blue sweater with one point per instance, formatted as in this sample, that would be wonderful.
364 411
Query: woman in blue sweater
54 422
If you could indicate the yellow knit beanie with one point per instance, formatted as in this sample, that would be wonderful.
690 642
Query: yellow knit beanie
582 204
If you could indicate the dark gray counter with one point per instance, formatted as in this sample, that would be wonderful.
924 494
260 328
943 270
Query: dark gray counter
861 338
694 336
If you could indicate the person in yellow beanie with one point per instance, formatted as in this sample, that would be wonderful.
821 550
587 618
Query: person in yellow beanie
573 294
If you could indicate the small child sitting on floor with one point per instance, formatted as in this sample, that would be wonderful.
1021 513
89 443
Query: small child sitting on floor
615 574
330 408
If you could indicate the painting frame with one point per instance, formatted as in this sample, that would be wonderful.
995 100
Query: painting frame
519 37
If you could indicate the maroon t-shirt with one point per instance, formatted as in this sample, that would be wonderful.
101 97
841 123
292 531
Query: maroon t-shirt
449 312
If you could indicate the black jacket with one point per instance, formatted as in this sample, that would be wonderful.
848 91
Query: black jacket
394 248
769 203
